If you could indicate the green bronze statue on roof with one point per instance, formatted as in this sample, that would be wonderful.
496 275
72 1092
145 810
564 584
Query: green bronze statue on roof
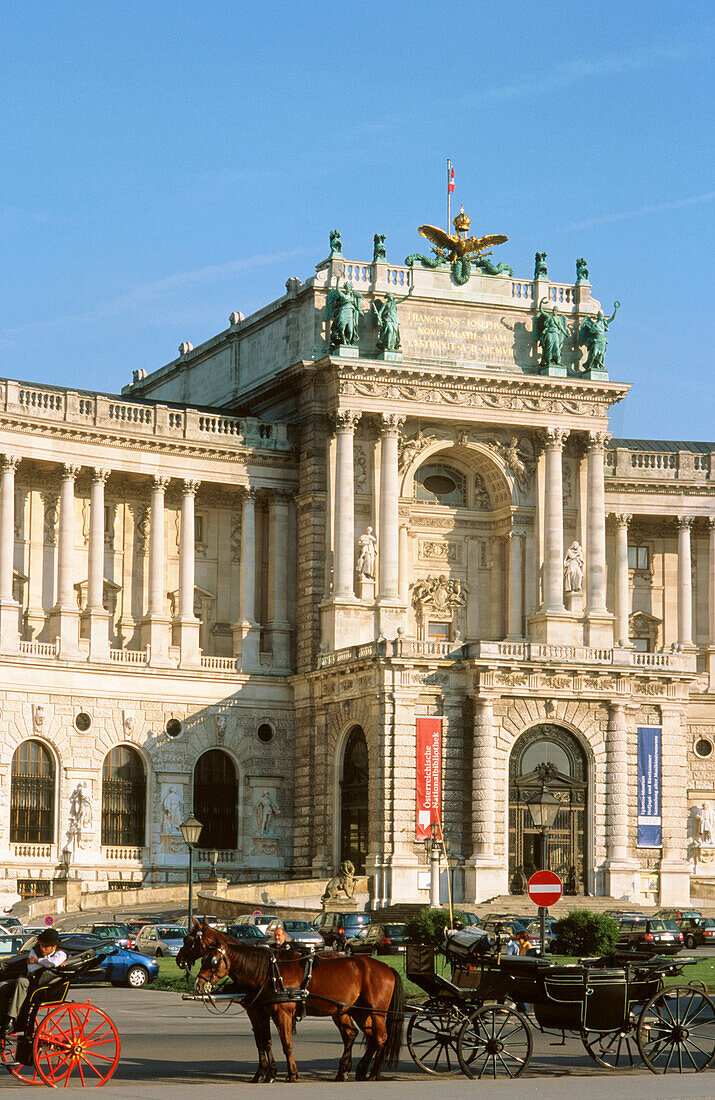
593 336
343 315
388 338
336 245
550 330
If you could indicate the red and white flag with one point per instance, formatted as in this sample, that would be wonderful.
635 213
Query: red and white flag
450 178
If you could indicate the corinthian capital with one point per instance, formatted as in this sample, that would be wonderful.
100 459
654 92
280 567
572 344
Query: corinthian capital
70 471
160 484
99 476
598 440
346 420
190 488
556 437
9 462
391 423
622 519
684 523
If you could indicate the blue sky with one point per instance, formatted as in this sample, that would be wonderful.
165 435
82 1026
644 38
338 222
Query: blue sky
166 163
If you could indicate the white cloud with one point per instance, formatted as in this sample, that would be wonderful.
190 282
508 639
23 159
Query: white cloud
626 215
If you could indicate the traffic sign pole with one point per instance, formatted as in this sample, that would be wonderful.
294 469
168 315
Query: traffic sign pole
544 888
542 928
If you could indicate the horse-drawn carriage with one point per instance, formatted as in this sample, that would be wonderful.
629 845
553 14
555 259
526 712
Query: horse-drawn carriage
622 1013
58 1042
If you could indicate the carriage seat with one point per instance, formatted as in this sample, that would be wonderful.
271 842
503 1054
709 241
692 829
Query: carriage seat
523 965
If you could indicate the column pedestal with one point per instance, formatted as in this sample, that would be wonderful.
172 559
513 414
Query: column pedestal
9 626
185 635
674 881
95 627
155 632
247 644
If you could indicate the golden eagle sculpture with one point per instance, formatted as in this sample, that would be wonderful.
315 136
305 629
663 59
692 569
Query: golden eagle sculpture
461 251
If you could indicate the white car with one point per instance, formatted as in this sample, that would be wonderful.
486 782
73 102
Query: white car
160 940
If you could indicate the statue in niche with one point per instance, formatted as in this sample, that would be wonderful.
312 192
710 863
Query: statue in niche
574 568
343 314
550 330
379 254
265 810
540 271
367 553
703 826
593 336
481 494
80 819
581 271
388 338
336 245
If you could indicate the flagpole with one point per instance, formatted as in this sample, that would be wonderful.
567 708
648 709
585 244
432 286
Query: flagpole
449 197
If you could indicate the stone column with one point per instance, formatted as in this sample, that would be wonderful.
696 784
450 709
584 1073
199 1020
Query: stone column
64 617
484 875
685 583
596 511
278 626
156 626
389 508
9 608
95 619
404 571
620 871
554 521
186 626
246 632
711 602
622 637
516 559
344 583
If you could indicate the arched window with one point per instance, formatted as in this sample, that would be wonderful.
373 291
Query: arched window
437 484
216 800
32 795
123 798
354 801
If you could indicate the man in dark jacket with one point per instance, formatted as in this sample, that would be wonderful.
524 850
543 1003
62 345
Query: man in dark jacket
44 959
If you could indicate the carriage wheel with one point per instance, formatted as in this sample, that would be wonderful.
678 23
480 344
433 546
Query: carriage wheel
78 1044
495 1041
613 1049
9 1054
676 1030
432 1037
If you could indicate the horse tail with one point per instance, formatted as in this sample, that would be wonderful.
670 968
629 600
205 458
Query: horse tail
395 1022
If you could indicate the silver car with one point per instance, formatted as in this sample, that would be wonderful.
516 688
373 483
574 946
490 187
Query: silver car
160 939
300 931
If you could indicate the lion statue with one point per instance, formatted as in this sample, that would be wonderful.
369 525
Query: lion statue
344 882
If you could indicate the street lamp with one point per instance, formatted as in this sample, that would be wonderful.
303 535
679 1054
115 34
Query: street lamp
433 848
543 807
213 860
191 831
65 860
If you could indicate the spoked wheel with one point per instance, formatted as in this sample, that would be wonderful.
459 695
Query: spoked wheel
676 1030
432 1038
613 1049
76 1044
495 1041
12 1057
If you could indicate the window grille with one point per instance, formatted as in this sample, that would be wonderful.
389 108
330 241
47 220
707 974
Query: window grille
32 795
123 798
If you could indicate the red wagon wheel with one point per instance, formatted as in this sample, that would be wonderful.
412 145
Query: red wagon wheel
9 1054
76 1043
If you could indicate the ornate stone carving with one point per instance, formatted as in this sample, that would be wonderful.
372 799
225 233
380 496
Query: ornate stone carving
80 819
622 519
360 472
346 420
704 825
367 555
482 500
443 551
172 812
517 454
266 810
235 536
598 440
51 517
410 448
574 568
160 484
70 471
142 526
190 487
556 437
391 423
684 522
9 462
442 598
38 717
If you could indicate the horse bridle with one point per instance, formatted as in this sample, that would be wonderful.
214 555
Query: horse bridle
218 954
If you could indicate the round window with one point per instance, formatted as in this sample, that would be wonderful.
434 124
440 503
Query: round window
82 721
265 733
439 484
703 747
173 727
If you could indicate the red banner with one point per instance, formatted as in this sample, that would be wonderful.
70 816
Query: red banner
429 775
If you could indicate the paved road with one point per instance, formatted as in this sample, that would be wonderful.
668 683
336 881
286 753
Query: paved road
167 1042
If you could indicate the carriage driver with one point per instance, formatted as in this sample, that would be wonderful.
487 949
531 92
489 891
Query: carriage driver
43 960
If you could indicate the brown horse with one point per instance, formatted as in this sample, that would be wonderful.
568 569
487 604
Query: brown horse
353 991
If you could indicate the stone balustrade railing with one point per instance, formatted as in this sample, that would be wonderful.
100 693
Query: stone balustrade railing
203 855
218 664
506 651
32 851
637 465
101 411
123 854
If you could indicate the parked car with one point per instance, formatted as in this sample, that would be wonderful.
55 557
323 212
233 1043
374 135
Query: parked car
698 931
533 930
258 920
336 928
469 919
648 934
679 915
10 923
503 927
106 930
247 933
116 964
160 939
10 944
378 939
135 926
300 931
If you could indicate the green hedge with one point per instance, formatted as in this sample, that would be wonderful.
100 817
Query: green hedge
585 933
428 925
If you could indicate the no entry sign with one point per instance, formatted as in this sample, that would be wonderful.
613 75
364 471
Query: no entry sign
544 888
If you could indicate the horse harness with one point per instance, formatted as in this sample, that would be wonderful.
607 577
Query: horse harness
278 992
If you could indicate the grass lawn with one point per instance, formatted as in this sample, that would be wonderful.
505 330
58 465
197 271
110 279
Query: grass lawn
170 977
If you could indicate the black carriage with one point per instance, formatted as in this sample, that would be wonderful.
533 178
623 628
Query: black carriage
476 1021
58 1042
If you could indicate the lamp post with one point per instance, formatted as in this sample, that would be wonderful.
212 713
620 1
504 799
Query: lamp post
543 807
191 831
433 847
452 864
213 860
65 860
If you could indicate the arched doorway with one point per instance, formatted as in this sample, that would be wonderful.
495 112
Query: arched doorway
548 757
353 801
123 798
216 800
32 795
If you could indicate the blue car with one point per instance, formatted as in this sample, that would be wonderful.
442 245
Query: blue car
117 965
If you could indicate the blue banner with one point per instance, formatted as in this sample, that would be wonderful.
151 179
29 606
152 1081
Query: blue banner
649 792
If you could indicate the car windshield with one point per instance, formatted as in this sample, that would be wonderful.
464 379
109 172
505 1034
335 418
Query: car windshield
171 933
657 926
394 929
297 926
708 922
671 926
111 930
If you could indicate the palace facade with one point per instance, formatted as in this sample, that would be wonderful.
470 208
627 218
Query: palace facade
235 588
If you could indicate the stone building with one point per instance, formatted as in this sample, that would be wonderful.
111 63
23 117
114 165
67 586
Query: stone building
236 588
